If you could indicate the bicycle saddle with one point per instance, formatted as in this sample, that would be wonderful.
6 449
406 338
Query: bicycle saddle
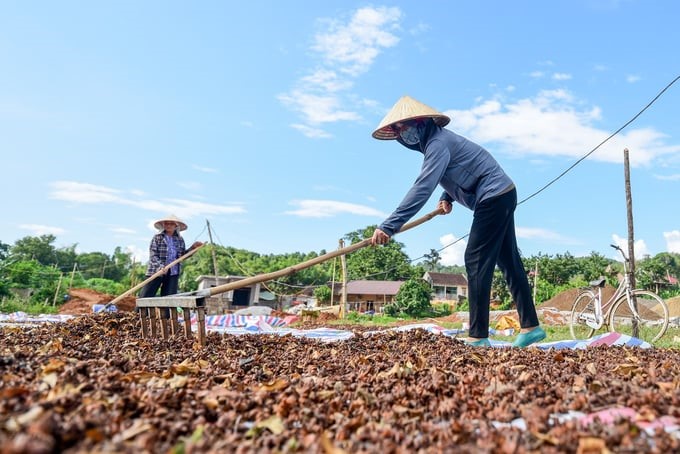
598 283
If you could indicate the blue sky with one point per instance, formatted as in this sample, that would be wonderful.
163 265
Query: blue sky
257 116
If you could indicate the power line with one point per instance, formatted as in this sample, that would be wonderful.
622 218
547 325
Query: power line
603 142
543 188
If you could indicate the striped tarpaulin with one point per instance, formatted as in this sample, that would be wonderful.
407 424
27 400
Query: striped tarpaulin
261 324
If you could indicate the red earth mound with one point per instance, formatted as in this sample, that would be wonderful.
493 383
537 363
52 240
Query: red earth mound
82 299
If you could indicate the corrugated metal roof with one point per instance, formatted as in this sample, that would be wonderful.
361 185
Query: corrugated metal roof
447 279
370 287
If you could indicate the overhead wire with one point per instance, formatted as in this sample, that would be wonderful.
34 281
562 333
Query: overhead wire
532 195
248 273
557 178
571 167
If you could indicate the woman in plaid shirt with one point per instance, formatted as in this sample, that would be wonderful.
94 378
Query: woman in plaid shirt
166 247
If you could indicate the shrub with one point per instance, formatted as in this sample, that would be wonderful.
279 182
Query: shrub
413 299
105 286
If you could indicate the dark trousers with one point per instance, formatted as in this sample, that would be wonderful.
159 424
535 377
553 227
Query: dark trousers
168 285
493 242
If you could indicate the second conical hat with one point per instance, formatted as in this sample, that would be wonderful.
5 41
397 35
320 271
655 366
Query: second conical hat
181 225
406 109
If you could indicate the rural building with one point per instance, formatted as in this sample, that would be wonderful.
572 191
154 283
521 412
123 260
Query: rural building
447 286
365 296
233 299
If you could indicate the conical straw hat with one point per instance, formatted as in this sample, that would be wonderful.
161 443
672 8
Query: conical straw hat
172 218
407 108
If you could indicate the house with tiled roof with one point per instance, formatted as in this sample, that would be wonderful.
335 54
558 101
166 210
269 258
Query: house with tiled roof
447 286
364 296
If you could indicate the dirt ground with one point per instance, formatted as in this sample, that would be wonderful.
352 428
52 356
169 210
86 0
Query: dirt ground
564 300
674 306
82 299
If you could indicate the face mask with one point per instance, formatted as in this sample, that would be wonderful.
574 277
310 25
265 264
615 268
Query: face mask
409 135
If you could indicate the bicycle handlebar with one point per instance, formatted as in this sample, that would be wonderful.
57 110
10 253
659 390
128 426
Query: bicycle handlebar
618 248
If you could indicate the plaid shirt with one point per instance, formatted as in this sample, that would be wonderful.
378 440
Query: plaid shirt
158 251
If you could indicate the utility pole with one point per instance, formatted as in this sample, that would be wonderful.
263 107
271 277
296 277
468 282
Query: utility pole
56 293
535 279
333 281
343 300
631 234
132 271
73 272
214 258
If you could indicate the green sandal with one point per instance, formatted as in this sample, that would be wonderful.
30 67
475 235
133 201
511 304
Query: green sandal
525 339
478 343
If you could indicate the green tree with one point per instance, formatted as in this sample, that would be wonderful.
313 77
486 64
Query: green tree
387 262
94 264
431 260
323 294
499 288
21 273
66 257
653 272
30 274
594 266
122 264
413 299
36 248
4 251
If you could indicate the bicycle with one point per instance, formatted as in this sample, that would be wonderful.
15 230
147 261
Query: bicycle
635 312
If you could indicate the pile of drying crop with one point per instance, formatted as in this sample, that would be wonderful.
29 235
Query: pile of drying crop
93 385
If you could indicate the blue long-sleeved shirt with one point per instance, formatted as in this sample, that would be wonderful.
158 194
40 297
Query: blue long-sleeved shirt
466 171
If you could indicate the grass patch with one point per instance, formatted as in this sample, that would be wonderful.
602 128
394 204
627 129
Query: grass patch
10 305
370 320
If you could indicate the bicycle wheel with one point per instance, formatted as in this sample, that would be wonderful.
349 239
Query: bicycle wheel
651 317
584 305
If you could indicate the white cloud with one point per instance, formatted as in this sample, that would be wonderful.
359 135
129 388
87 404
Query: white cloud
138 255
639 247
327 80
314 133
347 49
317 109
328 208
204 169
672 241
38 229
674 177
73 191
561 76
454 252
533 233
122 230
632 78
353 46
554 123
536 74
76 192
190 185
419 29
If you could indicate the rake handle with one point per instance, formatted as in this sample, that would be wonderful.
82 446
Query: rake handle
315 261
